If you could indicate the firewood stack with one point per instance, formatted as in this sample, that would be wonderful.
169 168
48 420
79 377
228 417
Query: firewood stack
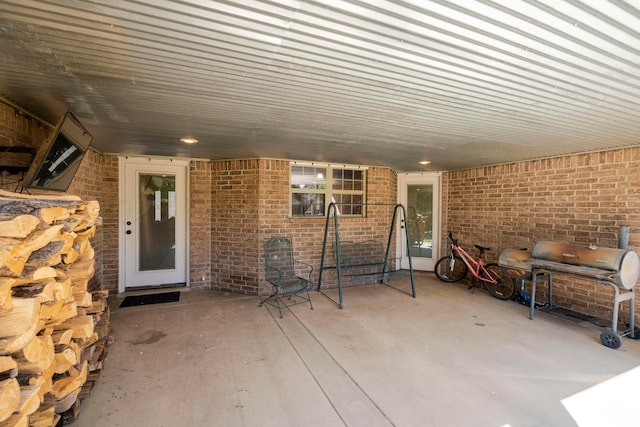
53 331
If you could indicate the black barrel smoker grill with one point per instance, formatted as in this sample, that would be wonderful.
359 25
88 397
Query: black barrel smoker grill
618 268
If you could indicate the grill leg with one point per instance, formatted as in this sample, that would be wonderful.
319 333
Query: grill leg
534 279
616 308
618 298
632 316
534 282
550 291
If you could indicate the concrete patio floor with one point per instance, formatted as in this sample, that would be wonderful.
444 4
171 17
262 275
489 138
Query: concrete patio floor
449 357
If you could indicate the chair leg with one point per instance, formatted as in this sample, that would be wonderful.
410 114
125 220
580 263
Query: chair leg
309 298
268 298
275 303
275 300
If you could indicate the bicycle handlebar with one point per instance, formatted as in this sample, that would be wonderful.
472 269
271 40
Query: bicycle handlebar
453 241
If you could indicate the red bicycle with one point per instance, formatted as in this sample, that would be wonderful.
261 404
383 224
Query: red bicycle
455 266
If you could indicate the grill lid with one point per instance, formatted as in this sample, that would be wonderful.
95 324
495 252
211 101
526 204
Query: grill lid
516 260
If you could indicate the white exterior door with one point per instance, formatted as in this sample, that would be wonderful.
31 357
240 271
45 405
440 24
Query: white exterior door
153 222
419 193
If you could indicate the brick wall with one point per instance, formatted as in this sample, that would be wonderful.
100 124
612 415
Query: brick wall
88 184
110 219
18 129
580 199
307 233
234 226
200 225
236 204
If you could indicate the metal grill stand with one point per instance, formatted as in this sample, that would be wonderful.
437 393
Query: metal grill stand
617 268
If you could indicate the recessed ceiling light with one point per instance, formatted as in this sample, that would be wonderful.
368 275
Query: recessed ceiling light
424 162
188 140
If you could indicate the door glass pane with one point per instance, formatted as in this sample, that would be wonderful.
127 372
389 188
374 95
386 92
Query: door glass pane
420 219
157 228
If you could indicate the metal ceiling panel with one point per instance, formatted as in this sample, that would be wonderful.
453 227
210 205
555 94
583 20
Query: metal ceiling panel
460 83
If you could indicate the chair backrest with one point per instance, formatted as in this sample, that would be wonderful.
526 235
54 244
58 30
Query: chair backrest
278 258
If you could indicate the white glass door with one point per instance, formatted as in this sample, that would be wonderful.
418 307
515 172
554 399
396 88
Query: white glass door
420 195
153 222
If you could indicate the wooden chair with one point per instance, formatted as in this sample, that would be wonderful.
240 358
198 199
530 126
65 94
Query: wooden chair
289 278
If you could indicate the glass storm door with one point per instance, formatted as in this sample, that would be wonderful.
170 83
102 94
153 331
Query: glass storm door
420 195
154 223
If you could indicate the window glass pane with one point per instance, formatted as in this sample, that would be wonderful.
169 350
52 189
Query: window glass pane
311 189
347 184
307 204
296 204
336 183
321 178
358 183
347 180
348 204
315 204
308 178
345 202
297 179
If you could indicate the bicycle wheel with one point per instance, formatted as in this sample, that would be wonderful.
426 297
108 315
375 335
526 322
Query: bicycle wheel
505 286
450 269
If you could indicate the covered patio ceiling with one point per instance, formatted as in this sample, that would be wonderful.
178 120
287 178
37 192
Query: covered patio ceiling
390 83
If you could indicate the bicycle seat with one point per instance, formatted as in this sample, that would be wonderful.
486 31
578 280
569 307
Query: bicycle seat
482 248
